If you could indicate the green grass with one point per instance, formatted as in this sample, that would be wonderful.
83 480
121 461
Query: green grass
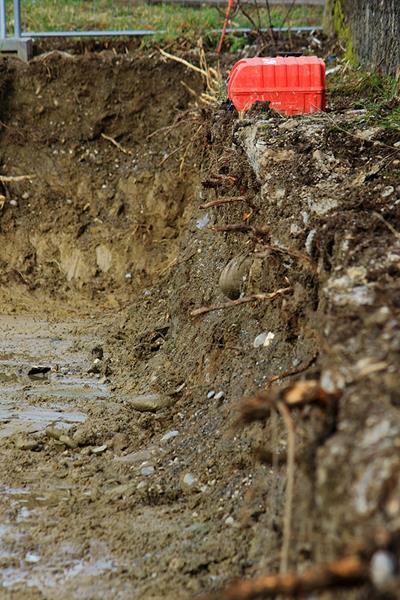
177 21
379 95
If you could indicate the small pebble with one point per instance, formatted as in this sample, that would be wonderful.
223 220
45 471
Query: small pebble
99 449
170 435
32 557
310 242
211 394
189 483
382 569
146 471
13 203
96 367
388 191
263 339
203 221
219 396
149 402
230 521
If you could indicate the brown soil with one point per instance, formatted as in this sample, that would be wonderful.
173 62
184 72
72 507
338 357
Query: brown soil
105 252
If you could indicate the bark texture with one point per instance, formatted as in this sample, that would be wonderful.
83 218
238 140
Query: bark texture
371 28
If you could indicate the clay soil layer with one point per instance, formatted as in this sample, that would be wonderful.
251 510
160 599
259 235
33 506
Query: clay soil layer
126 469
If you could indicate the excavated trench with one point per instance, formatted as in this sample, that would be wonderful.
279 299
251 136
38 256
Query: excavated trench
126 470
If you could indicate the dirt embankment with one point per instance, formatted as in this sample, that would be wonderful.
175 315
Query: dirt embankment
106 204
312 211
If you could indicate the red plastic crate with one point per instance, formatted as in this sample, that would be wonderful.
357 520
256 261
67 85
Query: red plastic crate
291 85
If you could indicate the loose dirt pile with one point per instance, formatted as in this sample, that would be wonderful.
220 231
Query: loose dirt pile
139 210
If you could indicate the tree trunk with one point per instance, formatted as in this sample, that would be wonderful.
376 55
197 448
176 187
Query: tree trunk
370 29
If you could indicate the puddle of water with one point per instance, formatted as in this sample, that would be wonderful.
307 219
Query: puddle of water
33 573
28 406
33 569
32 419
25 342
70 388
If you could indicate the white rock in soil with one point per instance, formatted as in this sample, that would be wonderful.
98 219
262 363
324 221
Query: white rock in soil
263 339
203 221
382 569
147 470
32 557
388 191
140 456
210 394
219 395
309 245
170 435
189 483
99 449
149 402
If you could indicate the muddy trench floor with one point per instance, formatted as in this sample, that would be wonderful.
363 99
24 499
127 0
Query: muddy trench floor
127 471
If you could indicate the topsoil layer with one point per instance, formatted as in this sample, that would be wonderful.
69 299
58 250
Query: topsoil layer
113 228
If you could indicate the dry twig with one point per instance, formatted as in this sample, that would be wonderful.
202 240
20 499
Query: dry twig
188 146
116 144
299 369
16 178
287 517
388 225
183 62
164 160
218 180
246 299
219 201
294 395
178 120
212 77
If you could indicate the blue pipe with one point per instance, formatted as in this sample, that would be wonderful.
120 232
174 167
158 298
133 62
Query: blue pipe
146 32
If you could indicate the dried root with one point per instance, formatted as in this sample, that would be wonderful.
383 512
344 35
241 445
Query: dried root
212 78
16 178
294 395
362 566
245 300
346 572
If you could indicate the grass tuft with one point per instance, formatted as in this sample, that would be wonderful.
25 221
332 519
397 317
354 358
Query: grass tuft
377 94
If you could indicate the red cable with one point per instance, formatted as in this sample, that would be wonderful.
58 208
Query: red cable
226 21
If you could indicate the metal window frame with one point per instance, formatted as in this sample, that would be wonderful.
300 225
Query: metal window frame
21 43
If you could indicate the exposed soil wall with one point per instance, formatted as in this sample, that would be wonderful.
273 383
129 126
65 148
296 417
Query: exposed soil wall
95 215
312 213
